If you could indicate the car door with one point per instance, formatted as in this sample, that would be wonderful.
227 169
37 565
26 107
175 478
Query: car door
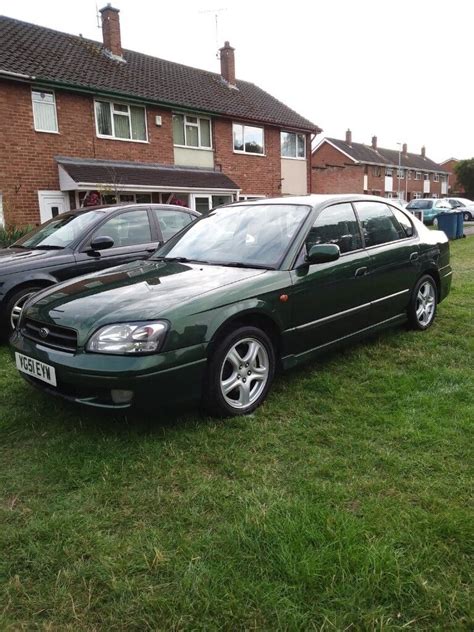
170 221
394 263
135 237
330 300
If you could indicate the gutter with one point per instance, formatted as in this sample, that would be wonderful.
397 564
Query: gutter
131 99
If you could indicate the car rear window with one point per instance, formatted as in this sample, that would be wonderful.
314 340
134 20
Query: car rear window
420 204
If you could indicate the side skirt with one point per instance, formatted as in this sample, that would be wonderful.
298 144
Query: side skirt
293 360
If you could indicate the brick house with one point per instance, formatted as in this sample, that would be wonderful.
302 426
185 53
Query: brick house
83 121
342 166
454 187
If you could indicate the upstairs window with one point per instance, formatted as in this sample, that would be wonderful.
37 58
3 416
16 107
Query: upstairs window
400 174
248 139
44 111
376 172
293 145
191 131
436 177
417 175
389 172
119 120
426 176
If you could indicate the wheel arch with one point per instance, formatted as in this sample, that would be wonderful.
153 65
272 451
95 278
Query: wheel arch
41 282
433 272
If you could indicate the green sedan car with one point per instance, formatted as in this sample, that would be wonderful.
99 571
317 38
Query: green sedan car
247 290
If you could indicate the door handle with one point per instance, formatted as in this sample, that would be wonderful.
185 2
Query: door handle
414 256
360 271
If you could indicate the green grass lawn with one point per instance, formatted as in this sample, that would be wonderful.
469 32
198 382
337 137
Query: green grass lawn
343 503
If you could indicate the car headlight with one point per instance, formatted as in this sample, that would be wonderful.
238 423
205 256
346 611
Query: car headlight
128 338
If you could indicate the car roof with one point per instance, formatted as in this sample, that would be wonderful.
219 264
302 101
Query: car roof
317 199
110 208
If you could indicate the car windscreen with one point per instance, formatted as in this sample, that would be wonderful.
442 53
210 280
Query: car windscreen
248 235
420 204
60 231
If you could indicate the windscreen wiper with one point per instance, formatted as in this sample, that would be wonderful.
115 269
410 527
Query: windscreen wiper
240 264
180 259
48 247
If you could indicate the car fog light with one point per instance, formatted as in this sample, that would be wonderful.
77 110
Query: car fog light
121 397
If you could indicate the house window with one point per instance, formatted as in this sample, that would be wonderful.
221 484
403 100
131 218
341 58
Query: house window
409 174
248 139
44 111
417 175
426 176
416 195
377 171
293 145
400 174
389 172
191 131
121 121
436 177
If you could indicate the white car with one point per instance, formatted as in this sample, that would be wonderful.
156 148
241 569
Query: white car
464 205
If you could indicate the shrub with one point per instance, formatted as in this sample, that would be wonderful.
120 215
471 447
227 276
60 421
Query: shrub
10 235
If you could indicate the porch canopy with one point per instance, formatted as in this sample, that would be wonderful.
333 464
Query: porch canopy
78 174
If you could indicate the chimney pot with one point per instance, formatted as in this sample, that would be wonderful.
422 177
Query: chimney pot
111 30
374 142
405 149
349 137
423 152
228 63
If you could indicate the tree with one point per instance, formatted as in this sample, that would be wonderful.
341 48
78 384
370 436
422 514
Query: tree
464 171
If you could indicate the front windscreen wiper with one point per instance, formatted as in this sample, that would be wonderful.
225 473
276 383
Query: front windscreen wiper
240 264
47 247
180 259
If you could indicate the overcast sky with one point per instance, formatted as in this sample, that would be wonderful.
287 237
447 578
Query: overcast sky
400 70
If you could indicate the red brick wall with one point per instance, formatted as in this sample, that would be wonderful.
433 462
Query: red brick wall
27 161
454 186
332 173
259 175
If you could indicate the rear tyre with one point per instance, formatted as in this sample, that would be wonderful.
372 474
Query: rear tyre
15 305
240 373
423 302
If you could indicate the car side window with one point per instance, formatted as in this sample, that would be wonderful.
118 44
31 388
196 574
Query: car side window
171 222
127 229
404 222
379 224
338 225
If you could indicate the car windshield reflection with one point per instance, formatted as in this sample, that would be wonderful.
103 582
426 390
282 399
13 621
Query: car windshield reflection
59 232
242 236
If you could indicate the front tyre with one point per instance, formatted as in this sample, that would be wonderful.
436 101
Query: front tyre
240 372
467 216
423 302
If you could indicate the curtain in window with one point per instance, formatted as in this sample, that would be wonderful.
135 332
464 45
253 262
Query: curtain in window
122 126
44 110
137 116
178 129
205 133
104 121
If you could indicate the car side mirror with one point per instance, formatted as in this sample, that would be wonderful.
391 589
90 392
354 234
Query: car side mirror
102 243
409 231
323 253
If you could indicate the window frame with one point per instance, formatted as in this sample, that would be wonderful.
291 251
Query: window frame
198 125
242 151
388 172
401 174
113 137
377 171
435 177
53 93
284 131
417 175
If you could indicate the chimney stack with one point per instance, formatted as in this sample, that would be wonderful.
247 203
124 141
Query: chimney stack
423 152
111 30
349 137
404 149
228 63
374 142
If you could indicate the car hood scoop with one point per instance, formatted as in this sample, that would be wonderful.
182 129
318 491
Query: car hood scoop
142 290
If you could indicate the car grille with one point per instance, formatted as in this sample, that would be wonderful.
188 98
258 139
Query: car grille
50 335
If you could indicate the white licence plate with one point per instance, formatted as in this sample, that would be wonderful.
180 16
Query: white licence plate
37 369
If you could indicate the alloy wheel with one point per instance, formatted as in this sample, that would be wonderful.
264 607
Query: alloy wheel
425 303
244 373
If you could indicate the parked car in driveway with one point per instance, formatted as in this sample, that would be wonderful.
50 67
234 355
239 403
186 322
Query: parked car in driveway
431 208
464 205
82 241
244 290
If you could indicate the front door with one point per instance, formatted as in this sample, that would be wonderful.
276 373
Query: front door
52 203
330 300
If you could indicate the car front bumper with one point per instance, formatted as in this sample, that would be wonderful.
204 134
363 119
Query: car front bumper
90 378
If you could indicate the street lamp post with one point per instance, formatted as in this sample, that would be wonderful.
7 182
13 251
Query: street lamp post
399 167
